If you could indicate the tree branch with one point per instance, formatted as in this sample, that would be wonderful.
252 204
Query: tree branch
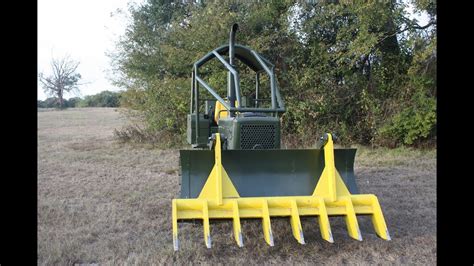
64 77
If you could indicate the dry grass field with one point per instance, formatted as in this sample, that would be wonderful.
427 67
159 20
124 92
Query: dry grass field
108 203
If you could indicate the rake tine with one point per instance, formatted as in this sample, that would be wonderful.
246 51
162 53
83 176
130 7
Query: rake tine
378 220
296 223
236 221
205 218
351 219
323 219
175 225
267 228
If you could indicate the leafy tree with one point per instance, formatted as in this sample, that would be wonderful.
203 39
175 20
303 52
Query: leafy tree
363 70
50 102
53 102
102 99
72 102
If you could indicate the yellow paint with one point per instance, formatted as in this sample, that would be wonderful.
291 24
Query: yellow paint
351 219
259 207
175 225
218 184
205 220
220 200
323 219
267 227
326 186
218 114
296 223
236 223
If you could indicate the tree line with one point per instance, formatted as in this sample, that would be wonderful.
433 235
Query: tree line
364 70
102 99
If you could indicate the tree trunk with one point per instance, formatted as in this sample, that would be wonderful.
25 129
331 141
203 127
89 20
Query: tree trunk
60 96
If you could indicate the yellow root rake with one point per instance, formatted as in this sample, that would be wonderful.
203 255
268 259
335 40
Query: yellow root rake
220 200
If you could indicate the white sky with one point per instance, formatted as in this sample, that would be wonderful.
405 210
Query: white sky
85 30
421 17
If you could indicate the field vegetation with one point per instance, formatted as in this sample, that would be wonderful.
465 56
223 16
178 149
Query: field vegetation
106 202
365 70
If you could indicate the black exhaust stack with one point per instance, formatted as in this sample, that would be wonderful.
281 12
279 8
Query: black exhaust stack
230 80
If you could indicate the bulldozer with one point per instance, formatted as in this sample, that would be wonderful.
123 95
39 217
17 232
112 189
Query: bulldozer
237 170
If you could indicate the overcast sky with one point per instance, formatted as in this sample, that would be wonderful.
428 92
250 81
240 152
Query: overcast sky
85 30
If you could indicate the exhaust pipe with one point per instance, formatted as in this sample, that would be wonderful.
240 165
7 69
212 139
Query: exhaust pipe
230 80
233 30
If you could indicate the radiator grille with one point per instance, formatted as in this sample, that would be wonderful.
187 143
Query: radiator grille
255 136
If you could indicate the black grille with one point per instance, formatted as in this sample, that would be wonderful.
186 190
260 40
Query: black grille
257 136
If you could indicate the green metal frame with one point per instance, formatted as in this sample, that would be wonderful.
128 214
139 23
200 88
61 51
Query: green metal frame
253 60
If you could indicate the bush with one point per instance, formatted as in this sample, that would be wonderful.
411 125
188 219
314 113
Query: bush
342 69
72 102
51 102
413 124
102 99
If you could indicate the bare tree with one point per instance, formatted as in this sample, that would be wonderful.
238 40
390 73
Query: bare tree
64 78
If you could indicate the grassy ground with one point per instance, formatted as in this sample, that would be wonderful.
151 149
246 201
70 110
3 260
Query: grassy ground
103 202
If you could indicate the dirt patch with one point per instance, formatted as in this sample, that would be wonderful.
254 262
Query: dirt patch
108 203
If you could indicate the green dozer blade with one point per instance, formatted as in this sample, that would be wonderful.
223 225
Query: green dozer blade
264 173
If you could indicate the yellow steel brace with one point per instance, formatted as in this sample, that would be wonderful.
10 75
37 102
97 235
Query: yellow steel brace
218 184
220 200
337 198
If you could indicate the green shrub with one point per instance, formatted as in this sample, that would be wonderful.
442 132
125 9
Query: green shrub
51 102
102 99
414 123
342 69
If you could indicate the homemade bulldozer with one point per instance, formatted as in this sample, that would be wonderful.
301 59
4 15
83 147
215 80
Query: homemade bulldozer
238 171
